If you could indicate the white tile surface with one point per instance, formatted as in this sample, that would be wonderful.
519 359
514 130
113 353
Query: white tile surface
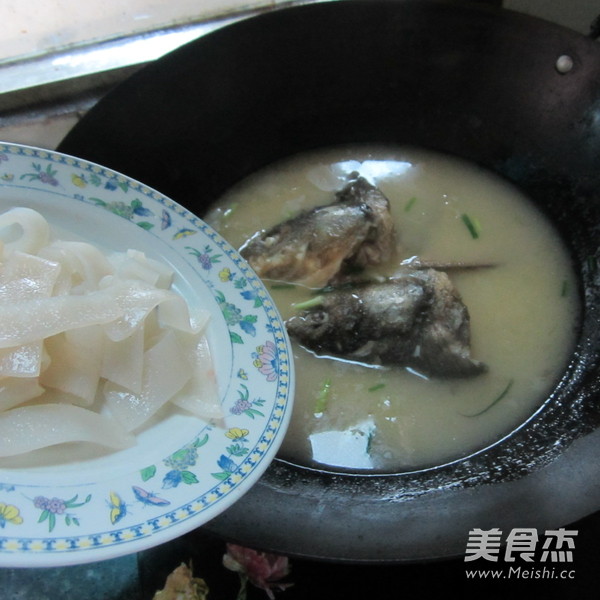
32 26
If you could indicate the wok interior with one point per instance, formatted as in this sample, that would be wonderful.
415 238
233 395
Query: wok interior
447 87
477 83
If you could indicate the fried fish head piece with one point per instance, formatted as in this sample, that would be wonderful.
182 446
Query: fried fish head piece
415 320
314 247
379 245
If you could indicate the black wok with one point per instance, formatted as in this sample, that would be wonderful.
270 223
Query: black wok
476 82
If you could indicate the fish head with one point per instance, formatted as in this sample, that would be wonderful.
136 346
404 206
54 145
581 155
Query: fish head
311 327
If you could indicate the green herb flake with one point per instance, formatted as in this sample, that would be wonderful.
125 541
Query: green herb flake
282 286
323 397
310 303
376 387
410 203
502 395
472 225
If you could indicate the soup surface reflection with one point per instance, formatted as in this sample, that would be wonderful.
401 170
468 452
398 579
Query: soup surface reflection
523 305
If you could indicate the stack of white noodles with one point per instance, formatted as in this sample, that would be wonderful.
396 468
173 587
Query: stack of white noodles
91 345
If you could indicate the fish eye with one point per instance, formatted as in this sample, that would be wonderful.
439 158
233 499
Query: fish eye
316 318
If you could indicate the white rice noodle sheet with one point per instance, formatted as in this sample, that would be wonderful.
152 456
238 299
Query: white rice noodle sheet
122 362
134 264
39 318
83 265
166 371
137 300
23 229
28 428
24 276
75 363
199 319
17 390
200 396
22 361
81 330
174 312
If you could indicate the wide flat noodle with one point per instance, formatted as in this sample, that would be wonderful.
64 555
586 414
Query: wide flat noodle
136 300
33 231
92 341
166 370
123 361
136 265
39 318
75 363
26 276
200 395
17 390
28 428
82 266
22 361
23 277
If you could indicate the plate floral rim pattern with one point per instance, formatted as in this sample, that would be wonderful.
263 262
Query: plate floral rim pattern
45 525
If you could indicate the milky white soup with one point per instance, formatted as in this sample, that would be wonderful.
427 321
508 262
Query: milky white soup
524 309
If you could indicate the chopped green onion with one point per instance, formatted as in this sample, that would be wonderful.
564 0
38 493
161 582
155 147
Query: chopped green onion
282 286
410 204
323 397
328 289
376 387
311 303
472 225
500 397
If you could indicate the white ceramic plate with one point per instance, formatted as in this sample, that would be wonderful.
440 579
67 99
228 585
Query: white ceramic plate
182 472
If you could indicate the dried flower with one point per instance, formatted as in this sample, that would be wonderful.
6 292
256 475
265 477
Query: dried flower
261 569
181 585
